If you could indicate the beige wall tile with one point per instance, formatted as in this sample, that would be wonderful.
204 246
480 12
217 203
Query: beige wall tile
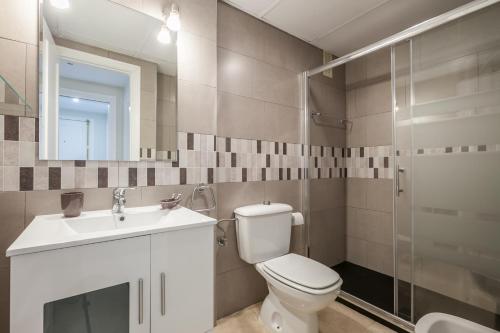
327 235
378 64
227 257
276 85
235 72
242 117
199 17
13 64
284 122
41 203
356 133
288 192
197 59
12 222
238 289
356 192
327 193
32 80
373 98
197 109
19 20
379 129
239 32
370 225
233 195
379 194
4 298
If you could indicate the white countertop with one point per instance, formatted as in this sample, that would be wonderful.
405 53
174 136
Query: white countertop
50 232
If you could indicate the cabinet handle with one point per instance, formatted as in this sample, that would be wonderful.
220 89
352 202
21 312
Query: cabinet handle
141 301
162 291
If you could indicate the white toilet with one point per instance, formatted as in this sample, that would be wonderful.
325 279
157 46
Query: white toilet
298 286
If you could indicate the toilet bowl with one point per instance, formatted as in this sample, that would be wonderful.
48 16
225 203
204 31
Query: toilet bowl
299 287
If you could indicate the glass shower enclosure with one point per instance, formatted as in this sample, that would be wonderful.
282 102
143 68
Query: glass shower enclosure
442 162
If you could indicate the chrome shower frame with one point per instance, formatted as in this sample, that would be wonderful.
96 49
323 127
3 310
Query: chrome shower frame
391 42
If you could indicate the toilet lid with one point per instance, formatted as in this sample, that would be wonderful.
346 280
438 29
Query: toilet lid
303 271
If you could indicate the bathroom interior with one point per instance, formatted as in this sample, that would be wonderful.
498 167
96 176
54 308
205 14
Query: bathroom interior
249 166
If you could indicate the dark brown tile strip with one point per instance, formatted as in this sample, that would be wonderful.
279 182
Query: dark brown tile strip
276 148
132 177
268 161
481 148
233 160
228 145
151 176
37 130
11 128
284 149
102 177
280 173
288 173
210 175
386 162
54 178
370 162
190 141
148 153
263 174
26 179
259 147
375 173
182 176
80 163
244 174
362 152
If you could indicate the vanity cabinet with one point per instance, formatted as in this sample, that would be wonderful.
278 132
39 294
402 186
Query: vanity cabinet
161 282
182 293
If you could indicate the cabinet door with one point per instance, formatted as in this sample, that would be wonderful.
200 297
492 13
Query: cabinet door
98 288
182 281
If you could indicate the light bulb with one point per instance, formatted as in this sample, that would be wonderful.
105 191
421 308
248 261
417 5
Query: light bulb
61 4
164 35
174 19
75 100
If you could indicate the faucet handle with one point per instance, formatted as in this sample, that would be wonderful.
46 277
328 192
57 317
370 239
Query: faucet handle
120 191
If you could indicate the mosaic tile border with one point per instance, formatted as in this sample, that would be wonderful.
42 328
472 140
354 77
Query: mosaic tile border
201 158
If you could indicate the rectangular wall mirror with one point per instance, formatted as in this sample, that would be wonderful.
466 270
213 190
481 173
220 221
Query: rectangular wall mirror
107 83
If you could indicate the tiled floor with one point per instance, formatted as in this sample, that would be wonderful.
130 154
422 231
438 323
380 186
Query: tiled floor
336 318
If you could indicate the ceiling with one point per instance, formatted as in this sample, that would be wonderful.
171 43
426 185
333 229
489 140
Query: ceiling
343 26
114 27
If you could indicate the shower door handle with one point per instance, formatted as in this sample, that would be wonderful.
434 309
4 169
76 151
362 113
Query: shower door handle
398 182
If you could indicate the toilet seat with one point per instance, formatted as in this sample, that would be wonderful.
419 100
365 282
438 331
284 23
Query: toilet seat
302 273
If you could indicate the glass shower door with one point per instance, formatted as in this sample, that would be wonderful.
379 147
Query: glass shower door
447 136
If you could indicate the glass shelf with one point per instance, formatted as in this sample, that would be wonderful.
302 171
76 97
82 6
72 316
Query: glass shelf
11 101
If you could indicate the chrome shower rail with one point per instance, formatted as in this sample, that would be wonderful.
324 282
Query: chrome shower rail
406 34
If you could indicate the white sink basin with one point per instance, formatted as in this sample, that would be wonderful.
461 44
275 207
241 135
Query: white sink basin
50 232
115 221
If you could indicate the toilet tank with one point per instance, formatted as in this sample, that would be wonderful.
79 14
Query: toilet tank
263 231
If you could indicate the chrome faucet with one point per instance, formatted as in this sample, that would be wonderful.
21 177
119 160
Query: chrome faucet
119 200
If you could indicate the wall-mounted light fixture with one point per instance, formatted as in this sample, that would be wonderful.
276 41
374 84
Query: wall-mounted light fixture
174 19
61 4
164 35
